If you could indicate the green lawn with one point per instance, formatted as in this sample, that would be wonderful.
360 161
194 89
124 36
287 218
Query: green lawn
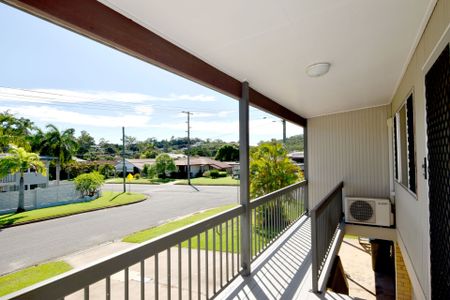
141 181
148 234
210 181
109 199
154 232
29 276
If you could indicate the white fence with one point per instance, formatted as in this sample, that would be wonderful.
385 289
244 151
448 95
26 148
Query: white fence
40 197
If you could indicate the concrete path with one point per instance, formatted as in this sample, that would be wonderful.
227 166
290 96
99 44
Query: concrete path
31 244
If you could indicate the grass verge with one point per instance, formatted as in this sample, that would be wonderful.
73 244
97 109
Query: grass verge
153 232
29 276
230 229
108 199
210 181
140 181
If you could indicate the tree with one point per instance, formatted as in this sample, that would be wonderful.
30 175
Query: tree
60 144
85 143
271 169
14 130
228 153
19 161
89 184
164 165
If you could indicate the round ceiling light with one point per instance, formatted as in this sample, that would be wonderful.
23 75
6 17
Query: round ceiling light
318 69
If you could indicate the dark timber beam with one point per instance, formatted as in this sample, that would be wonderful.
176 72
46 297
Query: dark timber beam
98 22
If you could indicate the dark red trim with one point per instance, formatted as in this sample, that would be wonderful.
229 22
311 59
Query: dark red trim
97 21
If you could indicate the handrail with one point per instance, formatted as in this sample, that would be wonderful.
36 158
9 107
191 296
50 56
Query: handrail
265 198
326 218
77 279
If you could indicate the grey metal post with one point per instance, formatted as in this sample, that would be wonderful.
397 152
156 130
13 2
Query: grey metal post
284 131
244 179
124 169
305 163
314 259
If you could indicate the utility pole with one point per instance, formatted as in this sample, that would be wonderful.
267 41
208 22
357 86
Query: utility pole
284 131
188 113
124 168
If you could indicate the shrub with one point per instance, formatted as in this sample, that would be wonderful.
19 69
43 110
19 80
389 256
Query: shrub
223 174
206 174
214 174
137 176
88 184
151 172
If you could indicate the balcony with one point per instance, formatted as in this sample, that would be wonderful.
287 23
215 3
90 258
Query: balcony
288 258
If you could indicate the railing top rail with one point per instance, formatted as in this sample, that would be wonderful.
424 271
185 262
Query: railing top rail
77 279
324 202
263 199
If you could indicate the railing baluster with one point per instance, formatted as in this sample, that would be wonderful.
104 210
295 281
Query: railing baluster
108 288
214 259
238 242
142 279
169 273
232 247
199 272
221 257
226 250
156 279
180 275
206 265
86 293
190 268
126 289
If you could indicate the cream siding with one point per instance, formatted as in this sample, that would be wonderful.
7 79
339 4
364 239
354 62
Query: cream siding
412 212
350 147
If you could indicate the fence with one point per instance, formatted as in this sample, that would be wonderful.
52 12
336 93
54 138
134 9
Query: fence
40 197
196 261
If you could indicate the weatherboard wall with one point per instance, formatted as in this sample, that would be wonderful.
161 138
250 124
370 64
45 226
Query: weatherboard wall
351 147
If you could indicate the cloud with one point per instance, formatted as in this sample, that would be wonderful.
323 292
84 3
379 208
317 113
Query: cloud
48 114
48 96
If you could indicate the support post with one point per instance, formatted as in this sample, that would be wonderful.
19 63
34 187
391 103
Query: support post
305 164
124 168
284 131
244 179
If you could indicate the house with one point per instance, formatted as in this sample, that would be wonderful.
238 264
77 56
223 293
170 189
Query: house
368 82
298 158
134 165
199 165
31 178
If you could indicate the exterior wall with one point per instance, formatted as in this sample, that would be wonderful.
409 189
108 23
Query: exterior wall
350 147
412 212
403 288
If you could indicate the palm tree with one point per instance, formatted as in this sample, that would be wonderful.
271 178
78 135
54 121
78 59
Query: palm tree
60 144
19 161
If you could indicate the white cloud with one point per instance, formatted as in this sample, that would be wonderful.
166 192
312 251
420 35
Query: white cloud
48 114
47 96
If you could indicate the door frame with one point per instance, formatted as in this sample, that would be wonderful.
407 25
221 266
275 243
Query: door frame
443 42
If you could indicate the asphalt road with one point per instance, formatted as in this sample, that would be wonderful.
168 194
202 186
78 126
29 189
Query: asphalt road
30 244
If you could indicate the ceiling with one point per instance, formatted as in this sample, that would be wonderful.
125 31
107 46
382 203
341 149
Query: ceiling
270 43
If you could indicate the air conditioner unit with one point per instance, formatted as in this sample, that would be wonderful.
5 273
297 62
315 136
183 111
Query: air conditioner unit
368 211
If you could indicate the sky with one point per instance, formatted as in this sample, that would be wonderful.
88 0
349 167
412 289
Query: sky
51 75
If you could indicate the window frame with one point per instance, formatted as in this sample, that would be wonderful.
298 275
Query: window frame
402 157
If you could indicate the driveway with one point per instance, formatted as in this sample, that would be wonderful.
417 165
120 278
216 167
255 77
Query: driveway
30 244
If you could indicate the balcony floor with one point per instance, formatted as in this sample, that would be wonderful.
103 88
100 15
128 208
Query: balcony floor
283 271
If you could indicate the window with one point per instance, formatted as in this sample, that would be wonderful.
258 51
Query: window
404 146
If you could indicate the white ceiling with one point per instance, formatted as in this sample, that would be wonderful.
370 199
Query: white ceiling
270 43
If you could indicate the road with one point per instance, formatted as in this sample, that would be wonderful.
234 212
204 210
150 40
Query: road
30 244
